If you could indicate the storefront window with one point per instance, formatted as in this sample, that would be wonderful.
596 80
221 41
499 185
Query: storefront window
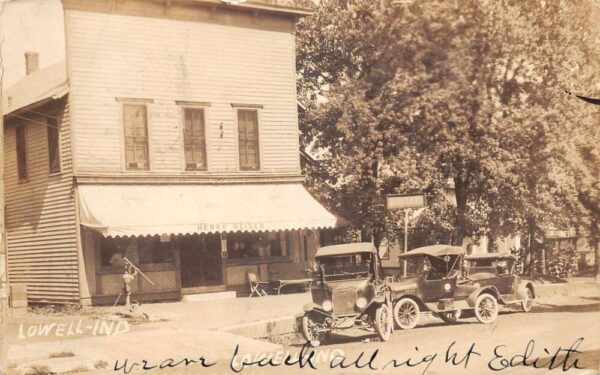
152 250
330 237
256 245
112 251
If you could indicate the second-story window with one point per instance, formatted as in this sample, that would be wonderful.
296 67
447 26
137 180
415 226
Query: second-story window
135 120
194 138
248 139
53 145
21 152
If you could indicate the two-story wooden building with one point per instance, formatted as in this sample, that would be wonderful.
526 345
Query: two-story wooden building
169 136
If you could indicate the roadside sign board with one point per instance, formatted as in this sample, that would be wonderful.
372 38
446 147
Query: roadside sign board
398 202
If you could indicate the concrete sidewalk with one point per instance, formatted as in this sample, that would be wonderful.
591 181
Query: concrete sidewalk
178 330
225 313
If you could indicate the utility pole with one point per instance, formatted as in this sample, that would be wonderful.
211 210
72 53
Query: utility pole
405 239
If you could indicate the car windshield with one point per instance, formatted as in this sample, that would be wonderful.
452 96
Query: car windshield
349 266
501 266
414 266
431 268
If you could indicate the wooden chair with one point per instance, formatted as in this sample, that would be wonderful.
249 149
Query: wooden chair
256 286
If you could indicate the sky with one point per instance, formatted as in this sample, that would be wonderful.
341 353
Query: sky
30 26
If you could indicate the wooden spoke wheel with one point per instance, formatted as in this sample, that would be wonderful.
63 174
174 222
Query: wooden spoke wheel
486 308
383 322
406 313
528 301
310 331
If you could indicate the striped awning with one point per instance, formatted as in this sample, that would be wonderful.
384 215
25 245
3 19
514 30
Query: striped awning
141 210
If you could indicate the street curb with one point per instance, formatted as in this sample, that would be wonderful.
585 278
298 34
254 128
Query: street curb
566 289
268 328
265 328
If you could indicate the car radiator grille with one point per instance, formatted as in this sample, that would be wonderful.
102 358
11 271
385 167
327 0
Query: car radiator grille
344 300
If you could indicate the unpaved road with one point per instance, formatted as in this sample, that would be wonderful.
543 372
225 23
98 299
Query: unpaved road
548 328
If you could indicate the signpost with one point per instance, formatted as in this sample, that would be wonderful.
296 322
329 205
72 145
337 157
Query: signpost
404 202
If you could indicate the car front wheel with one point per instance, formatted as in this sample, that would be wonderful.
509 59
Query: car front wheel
486 308
310 331
383 322
528 301
406 313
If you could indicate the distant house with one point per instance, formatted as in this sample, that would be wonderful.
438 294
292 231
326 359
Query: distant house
571 239
169 135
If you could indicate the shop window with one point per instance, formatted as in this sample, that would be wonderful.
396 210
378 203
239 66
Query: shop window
304 241
330 237
112 251
256 245
152 250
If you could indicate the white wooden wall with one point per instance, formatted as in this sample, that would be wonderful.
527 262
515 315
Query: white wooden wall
168 60
40 214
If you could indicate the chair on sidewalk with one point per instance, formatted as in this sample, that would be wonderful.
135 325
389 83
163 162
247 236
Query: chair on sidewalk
256 286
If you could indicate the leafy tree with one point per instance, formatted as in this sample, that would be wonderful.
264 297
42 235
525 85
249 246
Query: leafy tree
405 98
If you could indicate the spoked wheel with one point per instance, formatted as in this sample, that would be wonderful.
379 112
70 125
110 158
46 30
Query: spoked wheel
450 316
486 308
528 301
310 331
383 322
406 313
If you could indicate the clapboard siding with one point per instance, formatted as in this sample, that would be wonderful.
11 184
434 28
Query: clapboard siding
40 212
168 60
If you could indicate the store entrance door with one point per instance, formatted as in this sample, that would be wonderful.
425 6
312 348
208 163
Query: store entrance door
201 263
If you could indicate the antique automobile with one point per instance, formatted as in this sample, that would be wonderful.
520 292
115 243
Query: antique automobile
498 271
432 281
349 291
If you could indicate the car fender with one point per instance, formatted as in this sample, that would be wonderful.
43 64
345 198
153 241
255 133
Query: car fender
484 289
379 299
374 303
309 307
523 285
422 305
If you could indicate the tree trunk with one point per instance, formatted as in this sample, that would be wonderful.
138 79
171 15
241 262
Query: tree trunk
492 242
460 190
596 265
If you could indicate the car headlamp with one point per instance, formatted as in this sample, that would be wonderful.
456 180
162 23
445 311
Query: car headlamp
361 302
327 305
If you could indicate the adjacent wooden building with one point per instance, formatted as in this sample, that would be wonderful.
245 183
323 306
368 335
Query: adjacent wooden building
169 136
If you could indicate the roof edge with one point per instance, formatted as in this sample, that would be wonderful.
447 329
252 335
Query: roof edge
59 93
247 6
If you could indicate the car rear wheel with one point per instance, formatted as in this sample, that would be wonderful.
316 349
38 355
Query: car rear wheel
528 301
486 308
383 322
310 331
450 316
406 313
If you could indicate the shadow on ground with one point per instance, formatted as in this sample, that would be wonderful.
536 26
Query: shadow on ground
582 308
